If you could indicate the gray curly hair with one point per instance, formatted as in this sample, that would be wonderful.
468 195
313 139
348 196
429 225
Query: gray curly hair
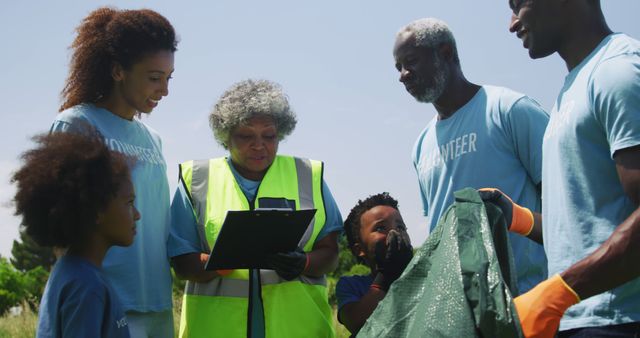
247 99
431 32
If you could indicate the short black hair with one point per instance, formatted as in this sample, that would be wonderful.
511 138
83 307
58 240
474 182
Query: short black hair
352 223
64 182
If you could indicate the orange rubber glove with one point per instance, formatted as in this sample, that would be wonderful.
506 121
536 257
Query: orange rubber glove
521 217
541 308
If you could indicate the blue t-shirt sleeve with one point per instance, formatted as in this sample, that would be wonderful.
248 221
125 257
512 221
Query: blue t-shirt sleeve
333 222
183 233
423 196
615 94
415 154
59 126
72 124
350 289
527 123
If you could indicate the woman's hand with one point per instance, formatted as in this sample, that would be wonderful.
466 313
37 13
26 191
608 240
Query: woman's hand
324 256
191 267
289 265
319 261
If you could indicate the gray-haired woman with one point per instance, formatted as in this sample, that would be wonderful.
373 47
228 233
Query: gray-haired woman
249 120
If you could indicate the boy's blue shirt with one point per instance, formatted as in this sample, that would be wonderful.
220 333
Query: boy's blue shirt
351 289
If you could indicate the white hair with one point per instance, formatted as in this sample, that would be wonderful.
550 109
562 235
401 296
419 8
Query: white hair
431 32
247 99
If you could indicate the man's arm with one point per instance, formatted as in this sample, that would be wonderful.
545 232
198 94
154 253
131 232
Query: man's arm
536 232
526 123
611 265
615 262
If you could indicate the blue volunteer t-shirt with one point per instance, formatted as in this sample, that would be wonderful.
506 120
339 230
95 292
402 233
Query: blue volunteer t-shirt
596 114
494 140
78 301
185 239
140 273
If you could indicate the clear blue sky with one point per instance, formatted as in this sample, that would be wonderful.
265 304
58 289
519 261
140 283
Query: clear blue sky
333 58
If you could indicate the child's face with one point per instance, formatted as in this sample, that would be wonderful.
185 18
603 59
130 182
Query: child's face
117 222
375 224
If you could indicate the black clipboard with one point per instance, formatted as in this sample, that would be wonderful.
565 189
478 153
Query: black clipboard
248 236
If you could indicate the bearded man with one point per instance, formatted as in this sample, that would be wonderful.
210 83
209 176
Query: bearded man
481 136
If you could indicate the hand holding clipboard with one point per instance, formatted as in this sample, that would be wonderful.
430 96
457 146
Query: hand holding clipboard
248 237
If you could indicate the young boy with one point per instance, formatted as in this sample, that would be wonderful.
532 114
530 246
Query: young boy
378 237
73 192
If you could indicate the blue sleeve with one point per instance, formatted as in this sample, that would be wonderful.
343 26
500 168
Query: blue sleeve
527 123
349 291
415 154
423 196
60 126
615 95
75 124
333 222
183 233
83 311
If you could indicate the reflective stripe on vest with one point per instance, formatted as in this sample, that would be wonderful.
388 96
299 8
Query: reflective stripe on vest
228 287
199 188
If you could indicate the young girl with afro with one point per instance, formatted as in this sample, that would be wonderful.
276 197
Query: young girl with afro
74 193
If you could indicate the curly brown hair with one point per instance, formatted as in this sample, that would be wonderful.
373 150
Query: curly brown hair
106 37
65 181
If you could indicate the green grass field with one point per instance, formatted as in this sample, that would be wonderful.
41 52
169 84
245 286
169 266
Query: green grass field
24 325
21 326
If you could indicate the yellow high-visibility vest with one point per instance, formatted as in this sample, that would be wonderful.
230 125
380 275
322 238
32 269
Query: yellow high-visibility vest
220 308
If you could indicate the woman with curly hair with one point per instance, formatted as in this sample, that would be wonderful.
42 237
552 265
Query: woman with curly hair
250 120
73 192
121 65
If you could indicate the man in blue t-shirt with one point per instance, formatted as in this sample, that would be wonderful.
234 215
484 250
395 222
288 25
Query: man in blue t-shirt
481 136
591 175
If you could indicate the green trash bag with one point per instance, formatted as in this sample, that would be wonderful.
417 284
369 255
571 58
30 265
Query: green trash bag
459 283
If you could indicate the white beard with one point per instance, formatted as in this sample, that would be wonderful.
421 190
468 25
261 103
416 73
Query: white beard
440 78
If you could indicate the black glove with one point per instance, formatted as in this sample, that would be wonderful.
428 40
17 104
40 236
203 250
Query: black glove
288 265
500 200
519 219
392 257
